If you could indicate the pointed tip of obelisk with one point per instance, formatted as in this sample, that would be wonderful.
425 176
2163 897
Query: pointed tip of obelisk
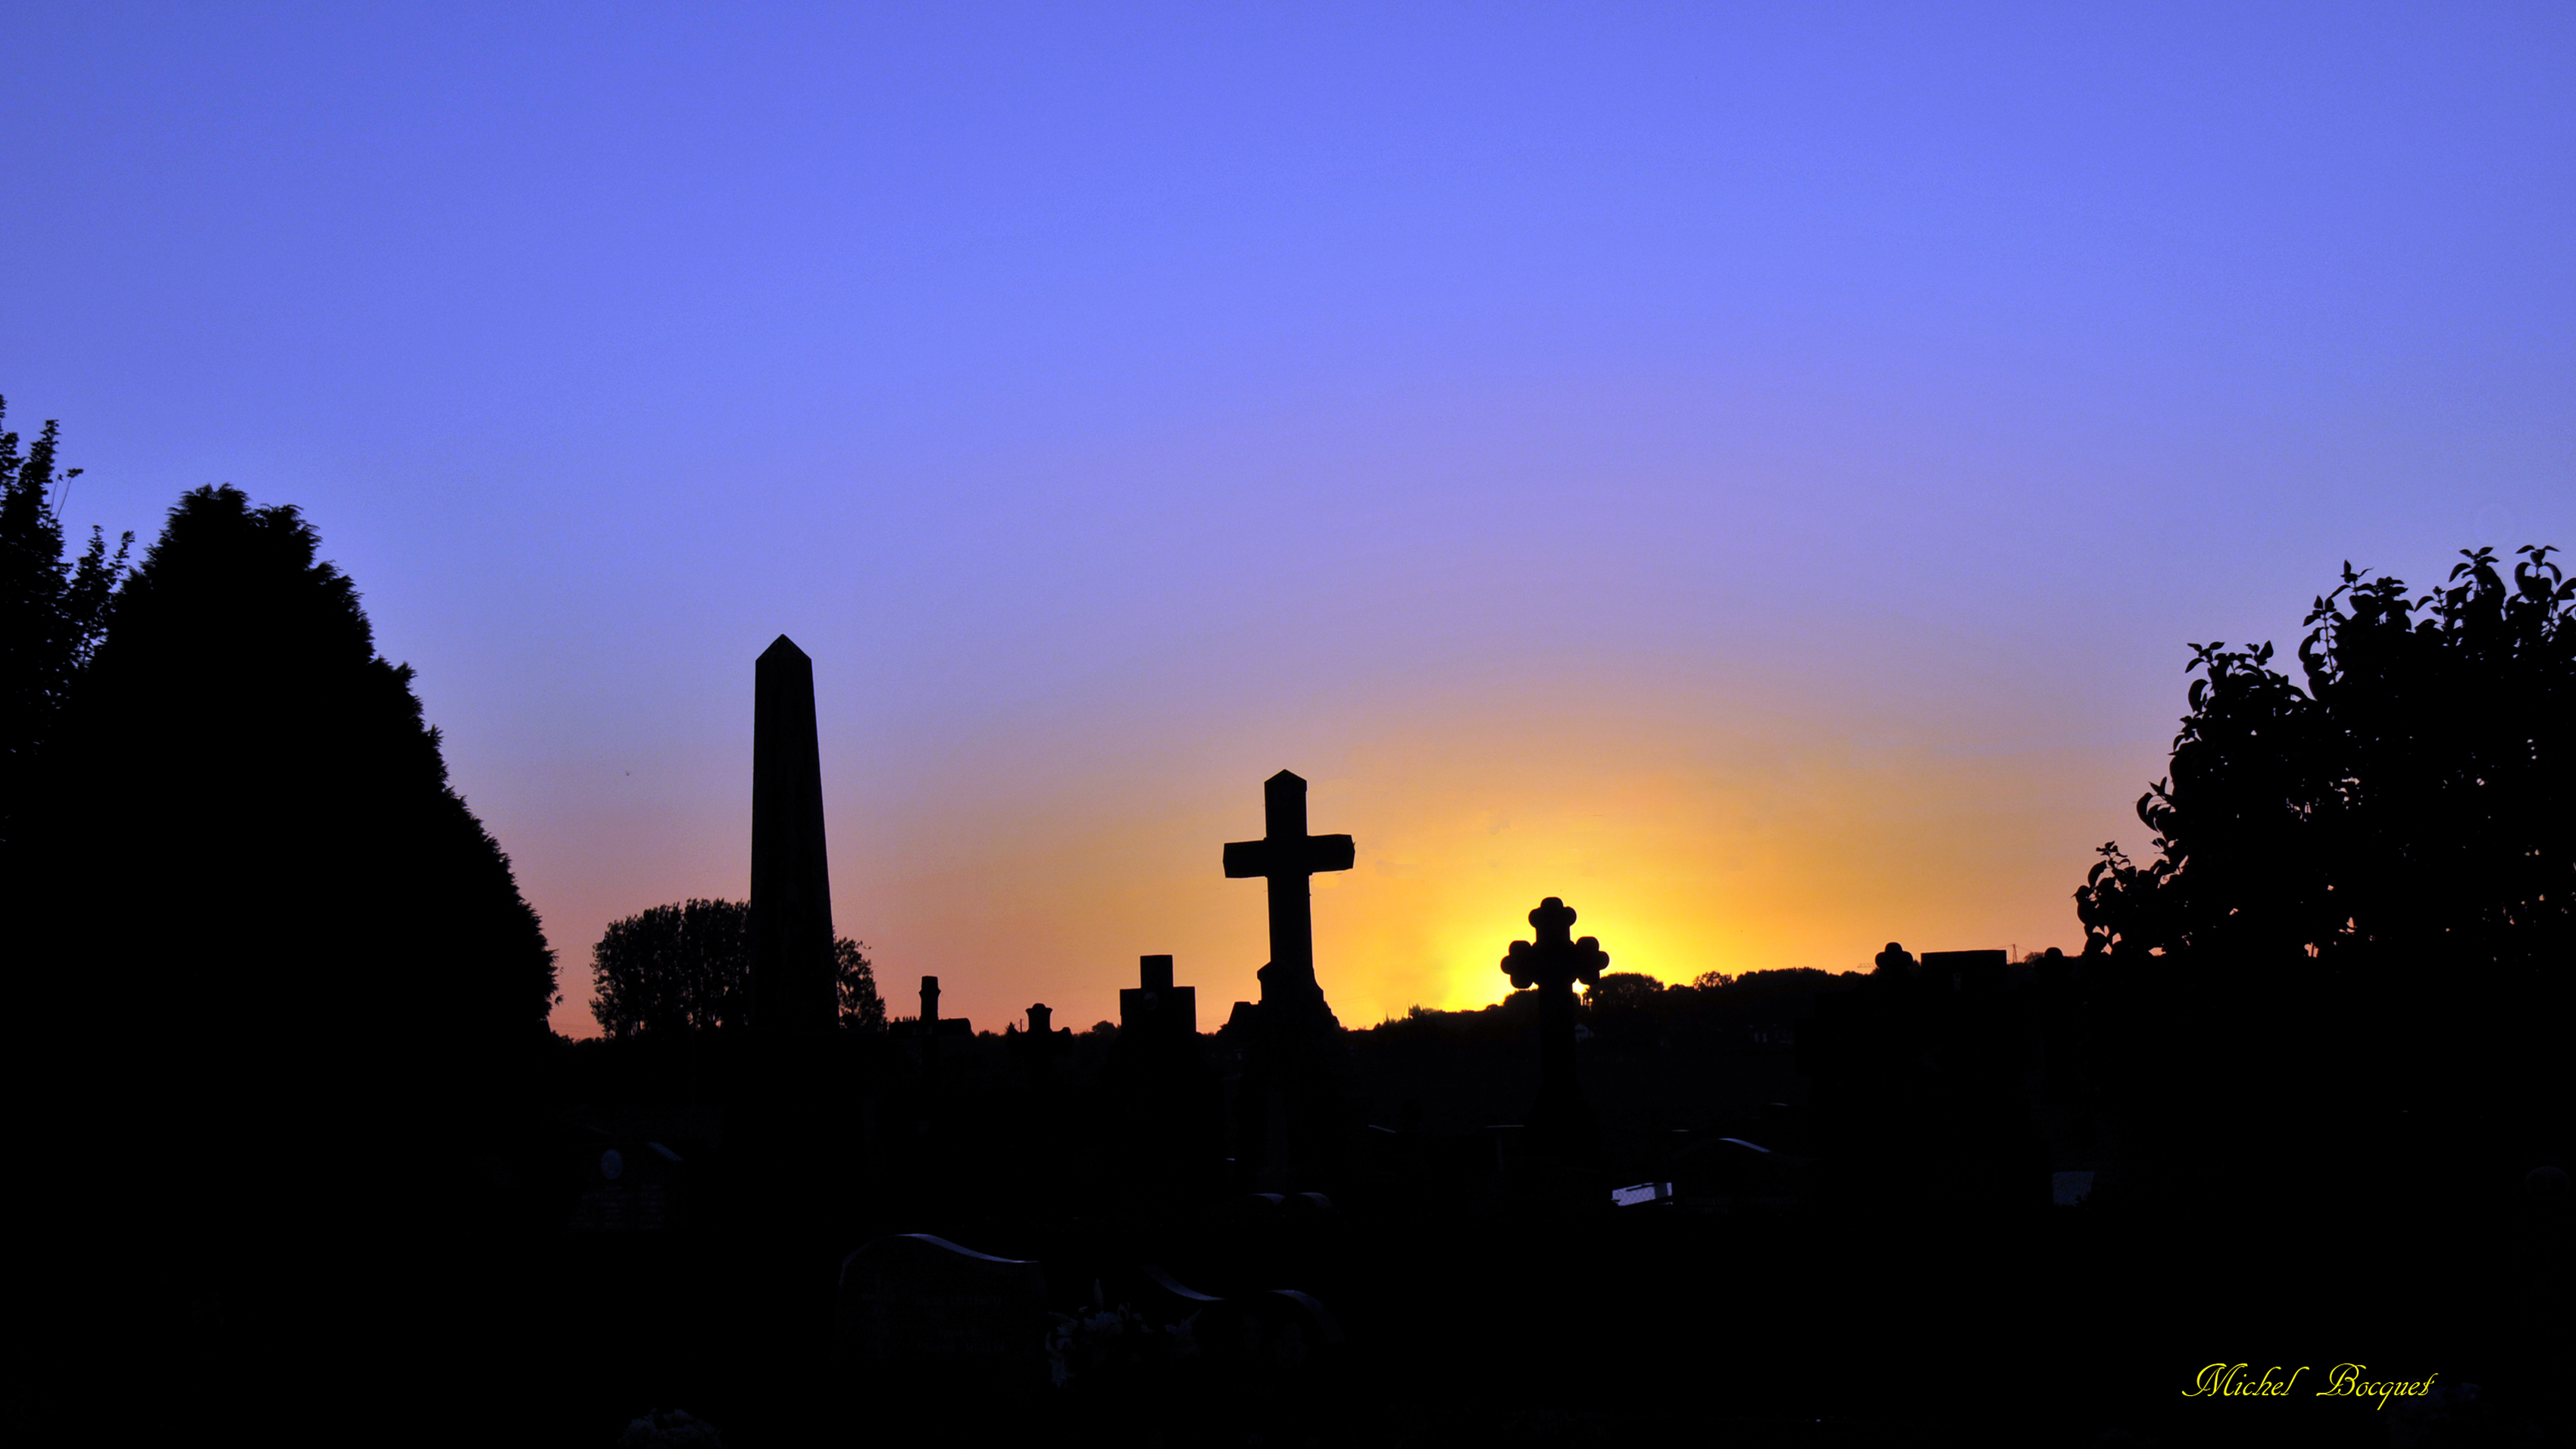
1289 776
782 648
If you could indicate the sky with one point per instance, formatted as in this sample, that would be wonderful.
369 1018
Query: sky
1754 472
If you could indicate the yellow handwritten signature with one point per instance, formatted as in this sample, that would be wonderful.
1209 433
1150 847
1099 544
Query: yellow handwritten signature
2343 1381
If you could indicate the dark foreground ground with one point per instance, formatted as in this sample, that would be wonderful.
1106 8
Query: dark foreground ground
2074 1328
1476 1296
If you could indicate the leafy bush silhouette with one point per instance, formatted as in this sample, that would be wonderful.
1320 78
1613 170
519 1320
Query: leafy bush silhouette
2411 802
2357 916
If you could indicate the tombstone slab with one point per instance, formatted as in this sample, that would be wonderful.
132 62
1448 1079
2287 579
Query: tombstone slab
918 1302
1167 1101
1156 1007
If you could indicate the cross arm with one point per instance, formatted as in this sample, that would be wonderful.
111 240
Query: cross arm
1330 852
1245 858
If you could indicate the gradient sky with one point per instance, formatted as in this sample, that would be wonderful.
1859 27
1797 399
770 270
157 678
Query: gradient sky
1750 471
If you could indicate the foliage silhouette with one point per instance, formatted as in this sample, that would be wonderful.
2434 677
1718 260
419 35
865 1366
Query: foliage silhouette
269 940
2357 915
2412 801
261 869
1623 991
683 967
687 967
854 987
1633 1000
52 609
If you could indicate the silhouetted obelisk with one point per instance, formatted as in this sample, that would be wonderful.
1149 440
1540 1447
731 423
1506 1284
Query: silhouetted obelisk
791 888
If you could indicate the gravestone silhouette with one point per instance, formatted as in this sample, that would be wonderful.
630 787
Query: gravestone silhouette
1170 1110
1154 1006
791 883
1034 1052
1561 1123
1873 1087
915 1310
1894 973
929 1027
1289 1110
1286 856
1916 1083
1990 1160
930 1023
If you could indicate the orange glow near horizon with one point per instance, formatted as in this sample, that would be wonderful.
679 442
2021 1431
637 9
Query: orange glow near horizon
1685 849
1682 862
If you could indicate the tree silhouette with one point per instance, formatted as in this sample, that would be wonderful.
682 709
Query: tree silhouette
1623 991
265 932
2357 916
258 881
854 985
2412 801
52 610
683 967
687 967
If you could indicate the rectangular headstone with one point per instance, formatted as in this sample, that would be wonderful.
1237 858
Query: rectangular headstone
925 1302
1980 972
1156 1005
630 1187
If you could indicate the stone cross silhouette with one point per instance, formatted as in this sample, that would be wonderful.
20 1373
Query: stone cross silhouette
1553 963
1286 856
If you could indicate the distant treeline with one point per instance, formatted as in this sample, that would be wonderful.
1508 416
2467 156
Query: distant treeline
1625 1000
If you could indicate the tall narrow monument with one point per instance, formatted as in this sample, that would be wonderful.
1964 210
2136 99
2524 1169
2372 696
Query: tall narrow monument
791 886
